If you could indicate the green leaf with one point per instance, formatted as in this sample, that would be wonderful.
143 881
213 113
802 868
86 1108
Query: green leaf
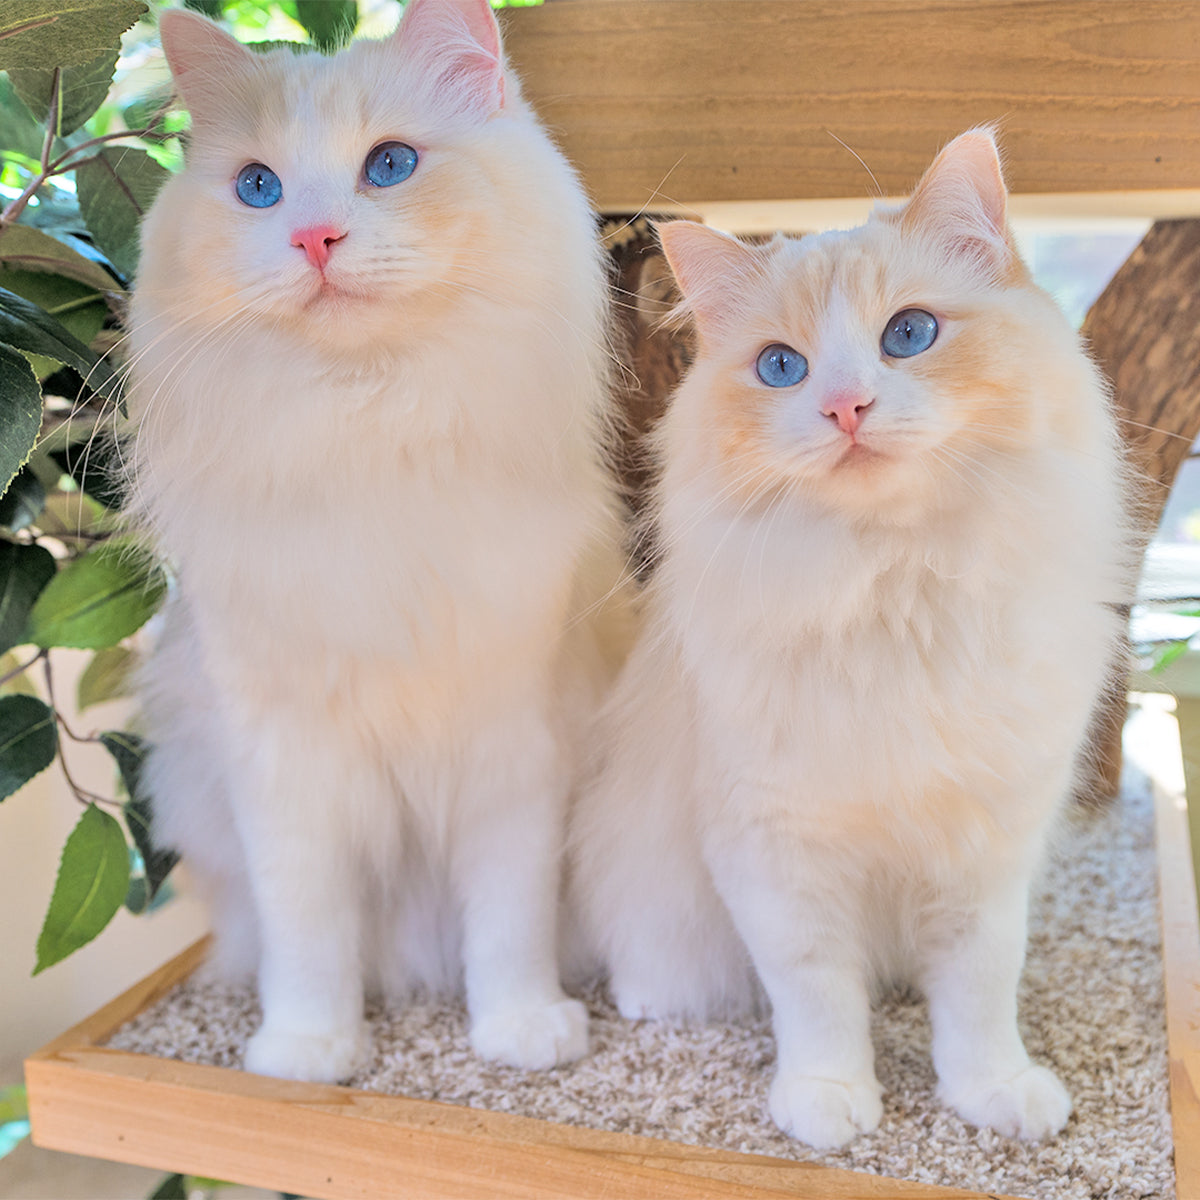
107 677
28 741
20 411
210 8
173 1187
24 572
93 878
22 504
78 307
24 325
129 752
115 189
330 23
19 132
81 90
44 34
22 248
100 598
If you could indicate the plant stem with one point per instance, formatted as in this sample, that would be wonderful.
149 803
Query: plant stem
14 210
80 793
11 675
63 161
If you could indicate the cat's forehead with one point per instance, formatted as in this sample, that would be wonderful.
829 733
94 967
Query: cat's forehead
306 99
856 266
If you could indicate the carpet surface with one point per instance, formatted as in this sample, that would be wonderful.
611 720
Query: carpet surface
1091 1005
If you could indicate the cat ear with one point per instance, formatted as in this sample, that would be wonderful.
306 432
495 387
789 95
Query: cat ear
709 267
962 200
458 41
202 57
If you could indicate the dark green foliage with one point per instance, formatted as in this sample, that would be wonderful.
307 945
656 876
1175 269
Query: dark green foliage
73 93
28 741
22 504
20 412
45 34
129 752
330 23
24 573
115 189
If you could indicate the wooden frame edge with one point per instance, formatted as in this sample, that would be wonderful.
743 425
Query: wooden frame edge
1180 922
337 1143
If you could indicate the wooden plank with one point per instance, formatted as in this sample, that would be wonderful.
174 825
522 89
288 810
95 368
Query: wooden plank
1181 964
338 1143
335 1142
705 101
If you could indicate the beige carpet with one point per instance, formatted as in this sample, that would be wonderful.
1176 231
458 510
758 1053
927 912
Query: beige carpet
1091 1006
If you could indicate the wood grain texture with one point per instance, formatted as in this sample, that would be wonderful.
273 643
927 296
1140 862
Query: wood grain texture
1181 959
340 1144
699 101
1144 331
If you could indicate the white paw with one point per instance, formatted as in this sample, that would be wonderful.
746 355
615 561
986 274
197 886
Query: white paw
535 1038
1032 1105
825 1113
316 1058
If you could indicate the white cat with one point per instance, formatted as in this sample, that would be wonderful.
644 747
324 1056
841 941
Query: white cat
891 518
369 387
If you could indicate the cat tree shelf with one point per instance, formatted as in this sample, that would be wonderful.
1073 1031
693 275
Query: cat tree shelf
341 1144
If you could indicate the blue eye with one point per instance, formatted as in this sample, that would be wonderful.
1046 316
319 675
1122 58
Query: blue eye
258 186
389 163
780 366
908 333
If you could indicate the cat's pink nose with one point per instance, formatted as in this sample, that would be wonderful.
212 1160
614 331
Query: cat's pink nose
847 409
317 242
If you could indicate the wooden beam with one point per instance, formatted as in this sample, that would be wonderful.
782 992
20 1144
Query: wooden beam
695 102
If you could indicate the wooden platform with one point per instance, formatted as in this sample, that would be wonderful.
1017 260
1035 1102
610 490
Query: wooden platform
337 1143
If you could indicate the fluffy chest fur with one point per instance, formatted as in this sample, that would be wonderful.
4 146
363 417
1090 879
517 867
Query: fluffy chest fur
893 688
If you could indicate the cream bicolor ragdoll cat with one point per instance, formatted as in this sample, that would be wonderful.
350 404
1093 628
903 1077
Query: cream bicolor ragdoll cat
891 518
369 393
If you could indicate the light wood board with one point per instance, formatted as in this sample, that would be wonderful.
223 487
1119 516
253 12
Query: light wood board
697 102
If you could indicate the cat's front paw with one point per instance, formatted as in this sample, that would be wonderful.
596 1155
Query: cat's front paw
534 1038
825 1113
316 1058
1032 1105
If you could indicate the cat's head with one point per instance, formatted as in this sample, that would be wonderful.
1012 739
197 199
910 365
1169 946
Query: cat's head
348 197
870 368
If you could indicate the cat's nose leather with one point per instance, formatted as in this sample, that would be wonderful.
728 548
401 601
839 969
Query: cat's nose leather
317 242
847 409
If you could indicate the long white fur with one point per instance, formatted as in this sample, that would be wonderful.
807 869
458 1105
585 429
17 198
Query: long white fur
385 511
838 749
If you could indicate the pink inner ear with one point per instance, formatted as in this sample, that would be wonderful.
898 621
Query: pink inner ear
962 196
201 55
709 267
459 40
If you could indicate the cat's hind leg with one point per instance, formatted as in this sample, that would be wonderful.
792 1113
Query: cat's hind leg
642 903
972 965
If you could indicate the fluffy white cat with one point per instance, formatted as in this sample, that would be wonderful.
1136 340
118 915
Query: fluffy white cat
369 388
893 542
